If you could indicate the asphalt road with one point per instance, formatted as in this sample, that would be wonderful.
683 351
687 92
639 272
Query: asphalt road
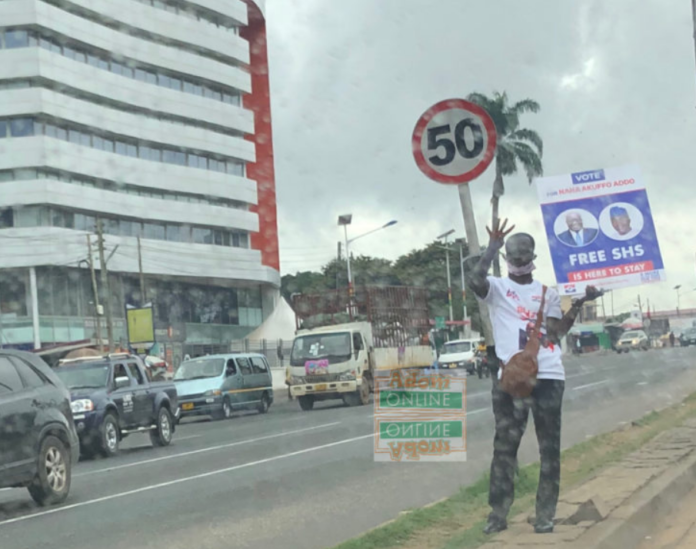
293 479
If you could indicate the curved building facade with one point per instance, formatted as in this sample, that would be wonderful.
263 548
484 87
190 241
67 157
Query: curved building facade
150 119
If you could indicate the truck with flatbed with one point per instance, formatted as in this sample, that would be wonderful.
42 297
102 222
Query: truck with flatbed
345 338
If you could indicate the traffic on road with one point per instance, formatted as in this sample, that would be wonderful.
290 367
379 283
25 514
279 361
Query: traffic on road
208 461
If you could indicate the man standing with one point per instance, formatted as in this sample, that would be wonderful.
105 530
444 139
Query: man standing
513 303
576 235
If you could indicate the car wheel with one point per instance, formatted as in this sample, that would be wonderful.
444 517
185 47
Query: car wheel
225 411
52 481
306 402
162 434
265 404
110 438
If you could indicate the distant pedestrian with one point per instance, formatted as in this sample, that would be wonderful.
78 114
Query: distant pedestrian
514 304
671 339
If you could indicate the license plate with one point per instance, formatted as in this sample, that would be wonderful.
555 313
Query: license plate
187 406
321 387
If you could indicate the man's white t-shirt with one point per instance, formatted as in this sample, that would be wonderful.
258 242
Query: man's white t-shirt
513 310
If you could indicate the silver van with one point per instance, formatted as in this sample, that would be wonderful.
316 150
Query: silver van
216 385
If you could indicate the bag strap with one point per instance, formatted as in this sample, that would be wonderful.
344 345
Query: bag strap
540 314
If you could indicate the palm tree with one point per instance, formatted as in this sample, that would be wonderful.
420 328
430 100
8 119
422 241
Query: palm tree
516 146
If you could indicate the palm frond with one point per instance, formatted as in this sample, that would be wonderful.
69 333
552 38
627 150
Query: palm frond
495 107
530 160
526 105
506 158
524 134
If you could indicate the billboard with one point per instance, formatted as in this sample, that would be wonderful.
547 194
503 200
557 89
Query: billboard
600 229
141 327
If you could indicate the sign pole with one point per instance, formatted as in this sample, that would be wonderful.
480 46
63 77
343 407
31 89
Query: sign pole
474 249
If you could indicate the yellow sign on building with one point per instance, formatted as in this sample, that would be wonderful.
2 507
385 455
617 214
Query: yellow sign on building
141 326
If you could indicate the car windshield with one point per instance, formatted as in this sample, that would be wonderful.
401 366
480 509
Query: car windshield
200 368
332 347
456 347
631 335
84 376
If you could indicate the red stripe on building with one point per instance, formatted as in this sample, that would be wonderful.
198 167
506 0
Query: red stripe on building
263 170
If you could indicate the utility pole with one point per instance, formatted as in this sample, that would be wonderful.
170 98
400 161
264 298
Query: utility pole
461 267
445 237
143 296
449 282
95 289
105 285
612 303
604 314
640 307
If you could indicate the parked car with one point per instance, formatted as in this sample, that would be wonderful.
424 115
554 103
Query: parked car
38 441
113 397
688 337
633 340
216 385
459 353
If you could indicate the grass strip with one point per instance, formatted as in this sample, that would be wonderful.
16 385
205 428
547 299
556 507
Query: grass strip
456 522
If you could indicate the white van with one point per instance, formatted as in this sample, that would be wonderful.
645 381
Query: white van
459 353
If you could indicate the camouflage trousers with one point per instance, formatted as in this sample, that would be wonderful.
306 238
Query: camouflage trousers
510 423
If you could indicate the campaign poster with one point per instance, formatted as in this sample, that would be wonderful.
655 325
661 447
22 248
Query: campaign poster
600 229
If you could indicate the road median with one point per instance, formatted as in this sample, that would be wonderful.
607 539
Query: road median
599 476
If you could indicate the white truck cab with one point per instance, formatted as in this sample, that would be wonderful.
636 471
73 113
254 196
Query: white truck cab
458 353
345 339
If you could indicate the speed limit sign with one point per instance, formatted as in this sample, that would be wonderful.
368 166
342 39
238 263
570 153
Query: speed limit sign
454 141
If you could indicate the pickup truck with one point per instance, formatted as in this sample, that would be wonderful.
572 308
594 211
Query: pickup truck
112 397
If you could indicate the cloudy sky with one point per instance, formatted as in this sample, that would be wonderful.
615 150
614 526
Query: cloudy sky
615 80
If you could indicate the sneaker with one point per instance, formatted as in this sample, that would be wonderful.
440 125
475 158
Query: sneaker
495 525
544 527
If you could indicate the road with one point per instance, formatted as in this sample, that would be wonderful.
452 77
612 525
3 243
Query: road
304 480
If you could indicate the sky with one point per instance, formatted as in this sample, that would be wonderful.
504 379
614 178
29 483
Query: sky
616 82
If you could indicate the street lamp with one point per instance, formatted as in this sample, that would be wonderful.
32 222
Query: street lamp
345 220
445 237
461 268
677 287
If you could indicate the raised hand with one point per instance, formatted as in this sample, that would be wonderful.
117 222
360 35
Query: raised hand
499 233
592 293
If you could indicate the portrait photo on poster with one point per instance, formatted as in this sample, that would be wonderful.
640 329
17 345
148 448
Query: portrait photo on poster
621 221
576 227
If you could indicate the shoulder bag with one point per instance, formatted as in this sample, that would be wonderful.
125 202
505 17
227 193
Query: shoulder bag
519 374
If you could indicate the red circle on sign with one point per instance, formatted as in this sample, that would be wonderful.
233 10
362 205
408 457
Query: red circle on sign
488 154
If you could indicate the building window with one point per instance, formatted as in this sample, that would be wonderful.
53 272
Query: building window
6 218
21 127
16 39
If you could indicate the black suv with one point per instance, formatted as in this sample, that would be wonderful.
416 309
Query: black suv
38 441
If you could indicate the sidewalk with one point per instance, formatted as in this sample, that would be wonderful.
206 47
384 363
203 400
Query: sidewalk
619 507
677 530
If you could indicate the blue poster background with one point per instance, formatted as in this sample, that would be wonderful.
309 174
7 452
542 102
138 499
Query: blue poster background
561 253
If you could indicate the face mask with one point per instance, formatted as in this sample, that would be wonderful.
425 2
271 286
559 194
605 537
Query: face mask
521 271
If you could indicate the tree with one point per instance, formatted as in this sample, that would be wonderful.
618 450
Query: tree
424 267
515 145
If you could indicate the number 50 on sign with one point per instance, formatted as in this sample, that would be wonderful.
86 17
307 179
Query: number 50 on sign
454 141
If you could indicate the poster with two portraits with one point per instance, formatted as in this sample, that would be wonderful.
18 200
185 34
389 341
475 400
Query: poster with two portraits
600 229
